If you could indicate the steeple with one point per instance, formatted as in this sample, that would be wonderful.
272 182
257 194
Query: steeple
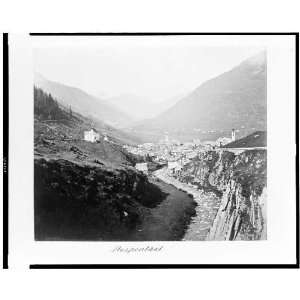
233 134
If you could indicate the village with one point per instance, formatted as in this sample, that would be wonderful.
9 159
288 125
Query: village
167 152
173 154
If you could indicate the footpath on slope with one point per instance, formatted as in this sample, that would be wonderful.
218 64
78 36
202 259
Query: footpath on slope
167 221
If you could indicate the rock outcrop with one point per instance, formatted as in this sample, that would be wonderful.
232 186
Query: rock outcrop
240 180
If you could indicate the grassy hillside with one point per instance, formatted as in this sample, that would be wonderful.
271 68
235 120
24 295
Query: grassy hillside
256 139
83 202
59 134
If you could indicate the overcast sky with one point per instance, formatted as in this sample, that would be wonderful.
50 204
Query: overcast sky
156 71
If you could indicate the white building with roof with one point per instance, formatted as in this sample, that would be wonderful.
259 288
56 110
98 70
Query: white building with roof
91 136
142 167
174 167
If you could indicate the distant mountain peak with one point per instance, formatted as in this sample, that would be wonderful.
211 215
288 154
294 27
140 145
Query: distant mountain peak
233 99
257 59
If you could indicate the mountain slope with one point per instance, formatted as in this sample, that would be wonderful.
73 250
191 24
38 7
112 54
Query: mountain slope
58 134
82 102
256 139
235 99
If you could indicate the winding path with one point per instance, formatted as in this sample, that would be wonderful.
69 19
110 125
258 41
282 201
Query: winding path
169 219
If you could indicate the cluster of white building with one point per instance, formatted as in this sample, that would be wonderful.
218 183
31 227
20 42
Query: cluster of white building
175 154
172 153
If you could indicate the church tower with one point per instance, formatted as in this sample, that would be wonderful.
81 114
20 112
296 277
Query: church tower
233 135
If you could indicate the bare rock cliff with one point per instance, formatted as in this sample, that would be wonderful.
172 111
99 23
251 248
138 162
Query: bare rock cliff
240 180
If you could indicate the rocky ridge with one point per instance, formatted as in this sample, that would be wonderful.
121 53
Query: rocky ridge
240 180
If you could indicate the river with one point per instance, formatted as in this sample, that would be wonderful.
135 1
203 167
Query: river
207 206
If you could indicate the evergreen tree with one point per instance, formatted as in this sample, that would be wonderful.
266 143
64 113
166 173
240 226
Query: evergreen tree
46 107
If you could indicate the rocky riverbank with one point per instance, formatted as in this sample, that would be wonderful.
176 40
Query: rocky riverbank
241 181
207 206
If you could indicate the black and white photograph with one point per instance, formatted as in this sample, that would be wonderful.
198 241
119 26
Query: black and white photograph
150 150
156 149
150 140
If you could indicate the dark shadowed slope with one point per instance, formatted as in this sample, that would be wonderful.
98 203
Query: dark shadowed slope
256 139
235 99
82 102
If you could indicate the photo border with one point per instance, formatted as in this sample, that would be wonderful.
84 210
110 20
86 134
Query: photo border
141 266
5 149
